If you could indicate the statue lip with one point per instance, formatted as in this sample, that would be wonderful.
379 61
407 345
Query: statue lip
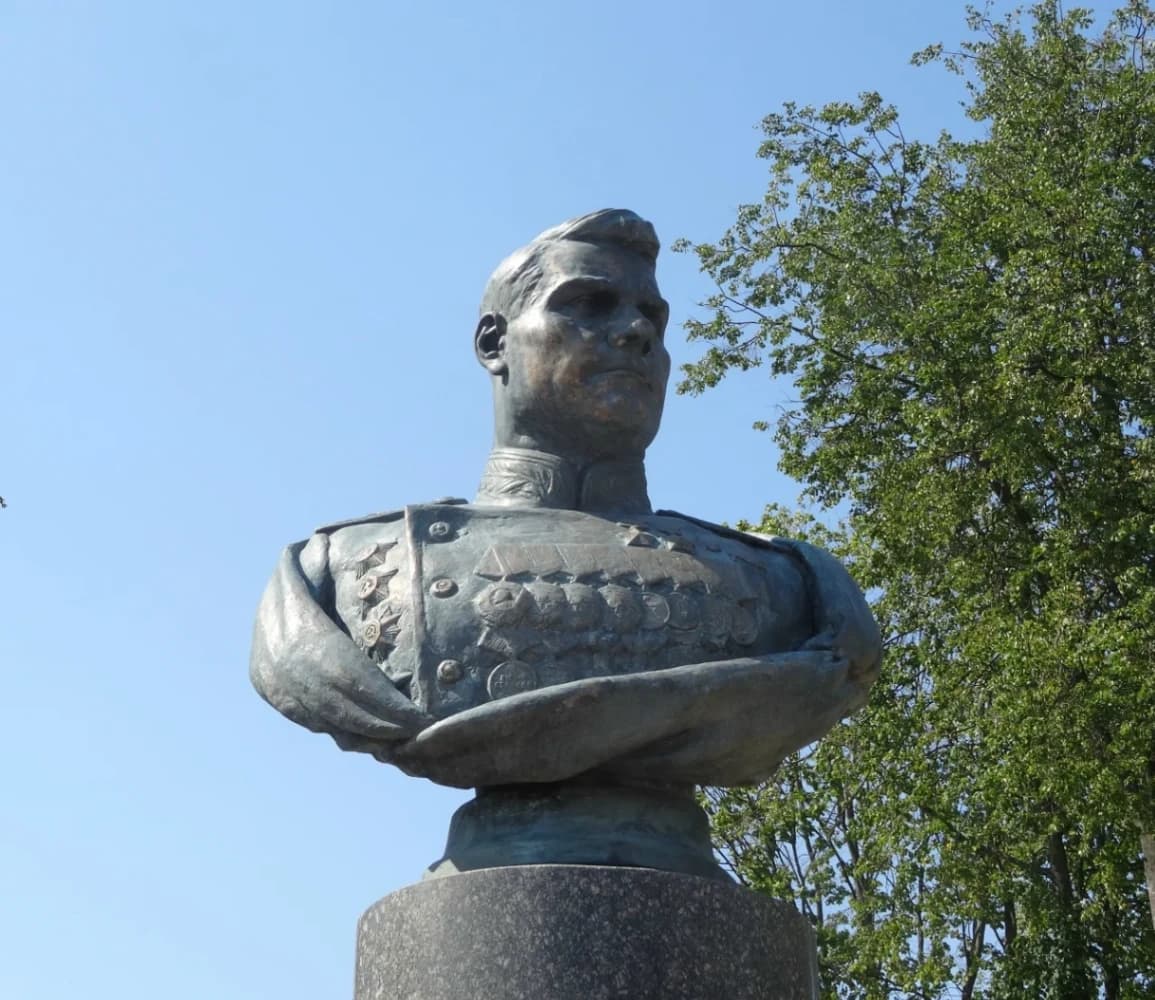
630 370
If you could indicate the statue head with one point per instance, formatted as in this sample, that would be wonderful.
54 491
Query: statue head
572 332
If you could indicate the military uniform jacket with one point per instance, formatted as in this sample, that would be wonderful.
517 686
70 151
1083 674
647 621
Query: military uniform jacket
514 641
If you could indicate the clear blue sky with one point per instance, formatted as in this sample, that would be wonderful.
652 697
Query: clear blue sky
241 247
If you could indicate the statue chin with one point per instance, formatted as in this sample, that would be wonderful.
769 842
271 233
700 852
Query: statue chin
611 433
623 427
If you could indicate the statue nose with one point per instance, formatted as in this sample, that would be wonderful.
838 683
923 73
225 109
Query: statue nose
639 334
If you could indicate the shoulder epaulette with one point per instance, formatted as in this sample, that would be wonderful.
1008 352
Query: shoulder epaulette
759 541
384 517
784 546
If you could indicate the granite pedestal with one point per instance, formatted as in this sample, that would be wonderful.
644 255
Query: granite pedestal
582 932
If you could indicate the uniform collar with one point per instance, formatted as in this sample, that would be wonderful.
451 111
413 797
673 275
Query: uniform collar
519 477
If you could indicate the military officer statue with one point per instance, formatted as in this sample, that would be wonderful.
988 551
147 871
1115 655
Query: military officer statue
579 658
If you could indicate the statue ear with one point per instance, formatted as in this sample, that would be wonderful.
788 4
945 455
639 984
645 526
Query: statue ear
489 343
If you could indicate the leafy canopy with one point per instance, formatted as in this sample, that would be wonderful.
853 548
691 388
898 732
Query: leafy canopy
970 329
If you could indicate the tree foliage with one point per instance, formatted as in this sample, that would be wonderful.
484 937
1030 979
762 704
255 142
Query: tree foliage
970 327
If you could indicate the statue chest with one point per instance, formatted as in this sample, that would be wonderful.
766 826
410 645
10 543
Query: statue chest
461 605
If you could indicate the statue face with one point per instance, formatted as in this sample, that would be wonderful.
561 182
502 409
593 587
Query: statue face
585 363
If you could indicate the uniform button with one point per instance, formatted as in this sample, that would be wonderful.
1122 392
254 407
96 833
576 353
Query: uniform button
371 633
449 671
443 587
440 530
367 586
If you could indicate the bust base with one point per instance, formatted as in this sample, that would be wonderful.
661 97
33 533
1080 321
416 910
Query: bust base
581 822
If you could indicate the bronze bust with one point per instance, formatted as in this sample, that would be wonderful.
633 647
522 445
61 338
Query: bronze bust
579 658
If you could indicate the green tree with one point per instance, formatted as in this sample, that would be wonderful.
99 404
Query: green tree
970 328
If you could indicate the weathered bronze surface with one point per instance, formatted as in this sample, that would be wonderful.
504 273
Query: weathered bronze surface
557 633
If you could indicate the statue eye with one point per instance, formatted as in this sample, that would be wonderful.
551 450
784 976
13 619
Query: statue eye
656 314
596 301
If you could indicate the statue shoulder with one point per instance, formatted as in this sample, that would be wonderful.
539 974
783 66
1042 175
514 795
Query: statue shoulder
352 541
768 543
382 517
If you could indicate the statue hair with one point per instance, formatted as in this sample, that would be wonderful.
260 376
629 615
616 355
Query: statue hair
511 286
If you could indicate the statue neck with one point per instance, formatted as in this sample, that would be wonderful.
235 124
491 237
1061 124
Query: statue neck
521 477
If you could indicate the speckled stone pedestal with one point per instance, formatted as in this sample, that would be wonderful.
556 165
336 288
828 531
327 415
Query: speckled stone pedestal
582 932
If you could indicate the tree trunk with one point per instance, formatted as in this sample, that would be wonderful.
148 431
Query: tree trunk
1010 924
1077 977
1147 846
974 953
